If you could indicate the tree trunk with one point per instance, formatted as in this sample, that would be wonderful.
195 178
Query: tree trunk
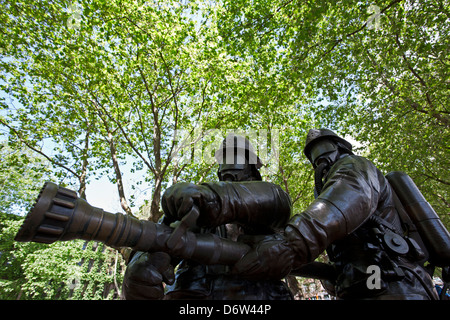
292 283
155 213
82 178
120 188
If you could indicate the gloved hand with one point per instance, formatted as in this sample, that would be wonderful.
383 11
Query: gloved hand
178 200
271 258
145 275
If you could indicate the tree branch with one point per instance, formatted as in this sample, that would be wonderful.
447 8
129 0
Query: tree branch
59 164
408 65
348 35
406 99
436 179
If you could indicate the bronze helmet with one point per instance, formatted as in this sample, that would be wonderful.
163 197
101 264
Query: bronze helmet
235 153
315 135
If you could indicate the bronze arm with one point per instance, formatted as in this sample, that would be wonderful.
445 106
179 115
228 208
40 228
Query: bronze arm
59 215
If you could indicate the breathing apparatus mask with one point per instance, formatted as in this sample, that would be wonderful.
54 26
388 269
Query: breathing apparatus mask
237 160
238 170
323 148
324 154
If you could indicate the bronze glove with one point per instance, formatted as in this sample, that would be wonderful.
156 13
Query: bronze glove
178 200
145 275
271 258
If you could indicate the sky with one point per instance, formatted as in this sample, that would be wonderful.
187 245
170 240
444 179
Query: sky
103 194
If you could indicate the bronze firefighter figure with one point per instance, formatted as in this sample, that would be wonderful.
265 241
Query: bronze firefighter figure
238 164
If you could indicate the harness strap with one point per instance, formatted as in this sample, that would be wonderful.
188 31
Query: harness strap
404 217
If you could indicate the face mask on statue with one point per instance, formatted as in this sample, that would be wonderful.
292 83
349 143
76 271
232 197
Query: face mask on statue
324 152
234 175
323 155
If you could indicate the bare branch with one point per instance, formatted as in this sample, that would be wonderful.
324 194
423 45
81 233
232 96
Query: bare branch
53 161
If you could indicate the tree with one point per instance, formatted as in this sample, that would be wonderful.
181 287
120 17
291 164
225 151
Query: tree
111 81
21 173
60 271
92 89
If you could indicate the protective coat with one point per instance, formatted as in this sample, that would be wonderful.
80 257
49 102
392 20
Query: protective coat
342 221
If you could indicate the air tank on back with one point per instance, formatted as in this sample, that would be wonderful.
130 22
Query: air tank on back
433 233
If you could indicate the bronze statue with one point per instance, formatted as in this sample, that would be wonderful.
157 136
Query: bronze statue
378 239
238 163
355 217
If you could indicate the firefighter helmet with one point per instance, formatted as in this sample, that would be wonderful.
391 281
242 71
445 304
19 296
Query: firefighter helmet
315 135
